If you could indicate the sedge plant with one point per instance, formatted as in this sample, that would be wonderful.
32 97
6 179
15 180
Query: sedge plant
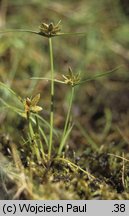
31 108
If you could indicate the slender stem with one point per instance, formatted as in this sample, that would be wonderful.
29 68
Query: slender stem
69 111
52 98
35 149
67 121
39 138
29 126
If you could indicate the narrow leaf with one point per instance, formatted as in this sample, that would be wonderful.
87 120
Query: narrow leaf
41 33
48 79
97 76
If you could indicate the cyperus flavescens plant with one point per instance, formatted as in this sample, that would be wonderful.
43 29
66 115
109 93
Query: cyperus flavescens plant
72 79
48 31
30 105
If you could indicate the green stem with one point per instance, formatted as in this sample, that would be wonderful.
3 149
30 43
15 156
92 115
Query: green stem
52 98
66 122
39 138
29 126
32 135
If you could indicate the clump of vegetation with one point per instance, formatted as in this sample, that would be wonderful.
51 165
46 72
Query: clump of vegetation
43 165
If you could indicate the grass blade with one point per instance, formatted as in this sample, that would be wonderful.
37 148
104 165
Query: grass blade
18 30
98 76
63 141
48 79
70 33
41 33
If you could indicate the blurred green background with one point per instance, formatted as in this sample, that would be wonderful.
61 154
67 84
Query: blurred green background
104 47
